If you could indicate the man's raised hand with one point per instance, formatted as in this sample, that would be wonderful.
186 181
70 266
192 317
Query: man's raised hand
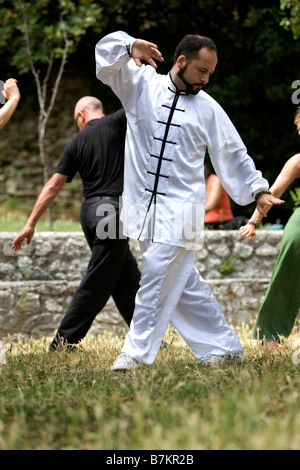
145 51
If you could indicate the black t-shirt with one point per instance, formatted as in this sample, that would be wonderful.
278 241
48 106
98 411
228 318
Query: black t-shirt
97 153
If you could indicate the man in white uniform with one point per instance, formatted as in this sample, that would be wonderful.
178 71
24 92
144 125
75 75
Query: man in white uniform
171 122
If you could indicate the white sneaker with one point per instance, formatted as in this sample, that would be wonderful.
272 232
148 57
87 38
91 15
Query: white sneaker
124 362
226 359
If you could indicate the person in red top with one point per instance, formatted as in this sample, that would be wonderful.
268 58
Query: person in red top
218 212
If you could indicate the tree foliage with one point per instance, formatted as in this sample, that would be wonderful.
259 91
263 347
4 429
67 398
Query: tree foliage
292 18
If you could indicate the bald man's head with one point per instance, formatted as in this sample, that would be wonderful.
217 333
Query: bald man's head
87 108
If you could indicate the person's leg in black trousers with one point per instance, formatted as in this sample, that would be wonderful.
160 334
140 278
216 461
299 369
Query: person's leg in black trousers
112 270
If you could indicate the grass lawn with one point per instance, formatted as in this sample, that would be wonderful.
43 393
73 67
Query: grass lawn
73 401
15 221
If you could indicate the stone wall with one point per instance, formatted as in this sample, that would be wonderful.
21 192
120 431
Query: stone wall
38 282
64 256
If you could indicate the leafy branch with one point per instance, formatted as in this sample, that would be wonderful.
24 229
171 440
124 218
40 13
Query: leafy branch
291 22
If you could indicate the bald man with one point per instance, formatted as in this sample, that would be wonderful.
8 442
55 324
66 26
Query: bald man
97 154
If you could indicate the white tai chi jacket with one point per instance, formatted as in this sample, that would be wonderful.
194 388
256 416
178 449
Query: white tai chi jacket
168 134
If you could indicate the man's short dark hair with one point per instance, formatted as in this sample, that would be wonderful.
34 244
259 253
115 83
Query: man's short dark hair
191 44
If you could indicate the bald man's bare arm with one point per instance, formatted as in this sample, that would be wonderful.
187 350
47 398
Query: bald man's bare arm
45 199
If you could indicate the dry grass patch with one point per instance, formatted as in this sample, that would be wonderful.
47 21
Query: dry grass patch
73 401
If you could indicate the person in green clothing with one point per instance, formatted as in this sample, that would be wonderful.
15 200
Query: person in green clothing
277 314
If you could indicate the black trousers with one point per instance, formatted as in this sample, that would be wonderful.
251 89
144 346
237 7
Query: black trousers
112 271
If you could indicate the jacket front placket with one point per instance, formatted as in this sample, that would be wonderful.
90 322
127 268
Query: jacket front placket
161 160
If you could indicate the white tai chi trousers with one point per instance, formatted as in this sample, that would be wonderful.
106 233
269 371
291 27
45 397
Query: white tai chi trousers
172 290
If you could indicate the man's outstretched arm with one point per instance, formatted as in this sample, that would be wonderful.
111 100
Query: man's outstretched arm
45 199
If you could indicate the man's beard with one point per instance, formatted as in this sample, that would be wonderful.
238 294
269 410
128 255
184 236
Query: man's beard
189 86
